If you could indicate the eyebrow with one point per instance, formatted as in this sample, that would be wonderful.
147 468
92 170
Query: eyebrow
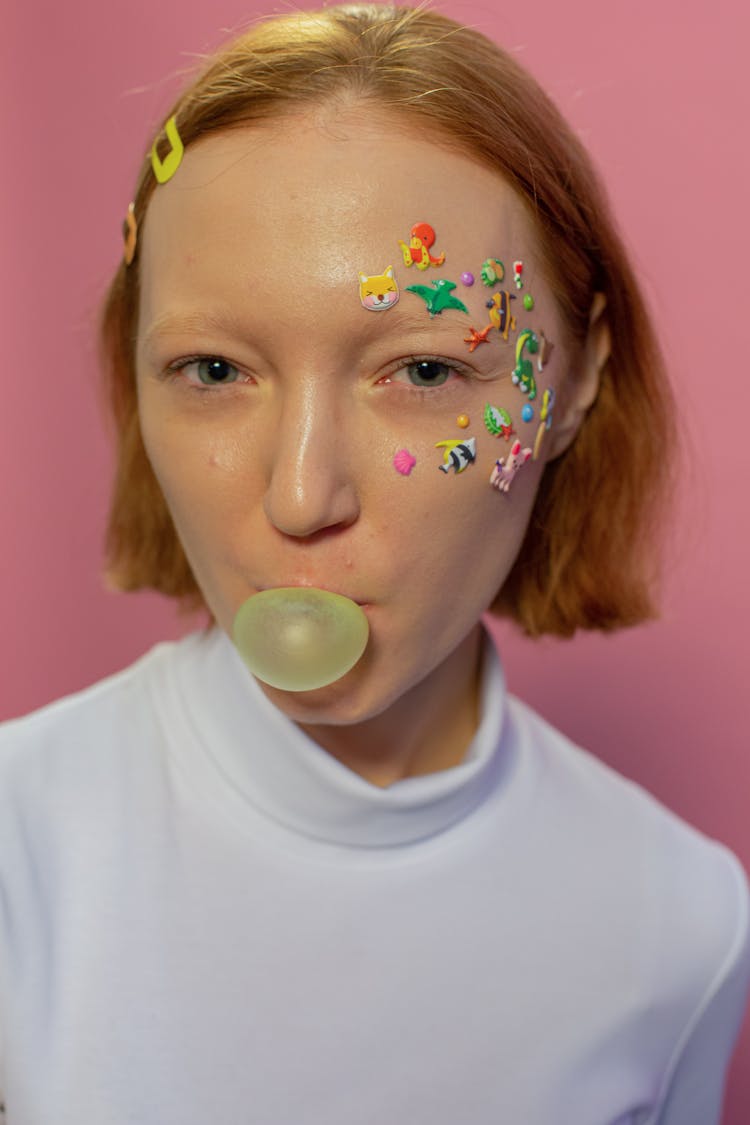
172 324
380 324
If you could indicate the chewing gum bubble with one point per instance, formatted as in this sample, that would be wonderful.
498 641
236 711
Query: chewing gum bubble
299 638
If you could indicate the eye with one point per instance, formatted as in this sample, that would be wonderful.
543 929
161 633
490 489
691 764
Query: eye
429 373
423 373
209 371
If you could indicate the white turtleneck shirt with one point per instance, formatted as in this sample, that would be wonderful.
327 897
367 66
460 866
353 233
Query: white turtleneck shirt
206 918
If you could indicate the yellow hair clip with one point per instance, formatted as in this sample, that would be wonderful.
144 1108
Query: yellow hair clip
166 168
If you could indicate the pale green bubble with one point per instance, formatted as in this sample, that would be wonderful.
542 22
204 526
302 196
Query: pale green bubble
300 638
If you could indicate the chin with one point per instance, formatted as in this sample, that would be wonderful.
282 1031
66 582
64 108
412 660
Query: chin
355 698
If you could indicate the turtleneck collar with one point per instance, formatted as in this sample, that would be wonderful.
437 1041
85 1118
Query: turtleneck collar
287 776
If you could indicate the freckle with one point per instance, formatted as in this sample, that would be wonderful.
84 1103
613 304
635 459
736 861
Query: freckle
189 259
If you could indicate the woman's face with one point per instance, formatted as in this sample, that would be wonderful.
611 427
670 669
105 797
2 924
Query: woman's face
274 440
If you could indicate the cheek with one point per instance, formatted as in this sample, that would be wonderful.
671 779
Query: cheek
199 467
452 519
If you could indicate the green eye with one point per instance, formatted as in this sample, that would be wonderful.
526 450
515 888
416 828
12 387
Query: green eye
212 371
429 373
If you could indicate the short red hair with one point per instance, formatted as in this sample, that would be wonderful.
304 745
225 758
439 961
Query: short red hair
587 560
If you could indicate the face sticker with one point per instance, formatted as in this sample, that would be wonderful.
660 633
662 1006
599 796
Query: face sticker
477 338
378 291
439 297
493 272
548 401
500 315
545 415
517 271
418 251
467 279
404 462
506 468
523 373
130 234
545 350
498 421
458 454
528 302
527 413
463 421
166 168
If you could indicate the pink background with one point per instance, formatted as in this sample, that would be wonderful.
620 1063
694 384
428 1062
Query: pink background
652 87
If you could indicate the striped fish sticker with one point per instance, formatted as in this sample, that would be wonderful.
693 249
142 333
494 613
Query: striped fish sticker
458 454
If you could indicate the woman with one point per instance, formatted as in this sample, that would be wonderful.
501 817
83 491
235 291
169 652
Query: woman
373 334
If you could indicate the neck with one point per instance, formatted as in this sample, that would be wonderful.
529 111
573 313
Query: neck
429 728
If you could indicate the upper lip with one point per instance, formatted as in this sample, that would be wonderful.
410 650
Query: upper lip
306 583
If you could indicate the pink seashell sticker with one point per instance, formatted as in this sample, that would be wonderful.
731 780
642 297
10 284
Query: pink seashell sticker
403 462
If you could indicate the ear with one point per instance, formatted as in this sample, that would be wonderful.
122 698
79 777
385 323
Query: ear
362 278
389 273
582 384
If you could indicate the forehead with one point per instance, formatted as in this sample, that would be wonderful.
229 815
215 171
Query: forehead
280 214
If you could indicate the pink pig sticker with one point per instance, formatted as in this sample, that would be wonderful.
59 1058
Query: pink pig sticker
506 468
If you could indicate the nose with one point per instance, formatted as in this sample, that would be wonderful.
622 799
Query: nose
311 486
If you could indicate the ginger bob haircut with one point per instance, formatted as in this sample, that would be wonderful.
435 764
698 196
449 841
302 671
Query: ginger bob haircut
587 557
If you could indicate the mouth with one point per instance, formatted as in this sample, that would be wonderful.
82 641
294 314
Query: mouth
363 603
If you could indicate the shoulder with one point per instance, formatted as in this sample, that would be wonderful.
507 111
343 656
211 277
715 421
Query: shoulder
593 797
51 757
682 894
69 718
